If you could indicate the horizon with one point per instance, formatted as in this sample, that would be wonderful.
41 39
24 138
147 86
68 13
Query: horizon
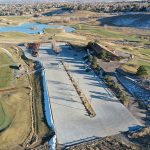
59 1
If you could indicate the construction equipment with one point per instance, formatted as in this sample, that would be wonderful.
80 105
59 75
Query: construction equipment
34 47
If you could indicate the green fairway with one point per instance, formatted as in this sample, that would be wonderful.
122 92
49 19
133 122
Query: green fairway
17 37
145 52
146 64
6 73
142 56
5 118
13 20
101 31
104 32
53 31
133 65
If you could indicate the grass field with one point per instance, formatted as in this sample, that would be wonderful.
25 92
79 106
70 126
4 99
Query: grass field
17 37
5 117
6 74
133 65
107 36
13 20
6 79
104 32
15 105
15 114
53 31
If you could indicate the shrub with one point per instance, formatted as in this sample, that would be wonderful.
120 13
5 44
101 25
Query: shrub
94 62
94 59
90 58
116 86
124 100
107 78
102 54
98 68
118 92
94 66
142 71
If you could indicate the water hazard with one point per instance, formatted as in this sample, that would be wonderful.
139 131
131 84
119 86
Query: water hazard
34 28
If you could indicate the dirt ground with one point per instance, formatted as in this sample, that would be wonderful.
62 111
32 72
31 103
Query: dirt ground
125 141
108 143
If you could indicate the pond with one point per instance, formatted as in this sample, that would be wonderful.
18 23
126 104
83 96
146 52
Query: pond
34 28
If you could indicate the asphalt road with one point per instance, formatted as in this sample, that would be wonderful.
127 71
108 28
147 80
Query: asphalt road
72 124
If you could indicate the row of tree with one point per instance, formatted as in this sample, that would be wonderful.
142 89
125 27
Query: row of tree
92 60
114 86
110 7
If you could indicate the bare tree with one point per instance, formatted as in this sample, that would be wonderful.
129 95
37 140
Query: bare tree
53 42
55 48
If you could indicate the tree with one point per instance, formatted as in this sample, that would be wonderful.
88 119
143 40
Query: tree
116 86
94 62
142 71
124 100
107 78
103 54
90 58
98 67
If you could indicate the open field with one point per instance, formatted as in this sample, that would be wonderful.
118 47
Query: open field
133 65
121 40
111 33
12 119
135 38
14 20
17 37
61 35
16 101
6 74
19 119
101 31
88 29
53 31
69 17
5 118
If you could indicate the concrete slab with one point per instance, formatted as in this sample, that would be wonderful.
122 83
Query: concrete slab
71 121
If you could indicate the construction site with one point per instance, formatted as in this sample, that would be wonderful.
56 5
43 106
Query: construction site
70 79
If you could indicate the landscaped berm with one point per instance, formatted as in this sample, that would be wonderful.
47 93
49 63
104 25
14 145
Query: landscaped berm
19 125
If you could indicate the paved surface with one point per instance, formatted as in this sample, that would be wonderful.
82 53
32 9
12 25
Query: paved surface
71 121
